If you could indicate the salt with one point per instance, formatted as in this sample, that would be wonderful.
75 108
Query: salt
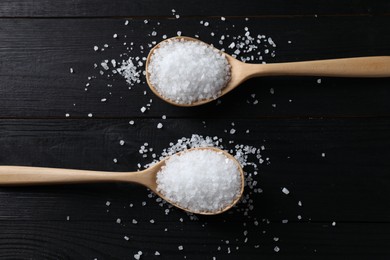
200 180
285 191
186 71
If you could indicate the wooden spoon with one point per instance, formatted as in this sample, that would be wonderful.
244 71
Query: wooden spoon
370 67
26 176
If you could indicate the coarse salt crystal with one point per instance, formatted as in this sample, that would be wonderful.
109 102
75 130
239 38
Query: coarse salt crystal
159 125
285 191
205 74
210 182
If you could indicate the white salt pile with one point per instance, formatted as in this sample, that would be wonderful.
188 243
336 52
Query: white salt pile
130 72
185 71
200 180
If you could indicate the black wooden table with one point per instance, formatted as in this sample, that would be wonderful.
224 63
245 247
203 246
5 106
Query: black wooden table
326 142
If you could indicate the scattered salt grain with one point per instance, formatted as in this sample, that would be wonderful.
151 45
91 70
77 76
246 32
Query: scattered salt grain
285 191
178 33
115 160
186 71
131 122
156 253
95 48
115 36
134 221
143 109
122 142
71 70
223 18
90 115
126 22
206 24
108 203
300 203
159 125
67 115
323 154
126 238
208 180
276 249
180 248
333 224
319 81
130 71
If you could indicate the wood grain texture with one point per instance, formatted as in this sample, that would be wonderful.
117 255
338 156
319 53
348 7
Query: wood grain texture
93 8
36 55
346 119
104 240
348 184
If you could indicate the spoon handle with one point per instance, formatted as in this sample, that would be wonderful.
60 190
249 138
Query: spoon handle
377 66
19 175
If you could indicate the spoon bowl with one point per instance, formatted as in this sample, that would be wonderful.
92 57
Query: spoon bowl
27 176
376 66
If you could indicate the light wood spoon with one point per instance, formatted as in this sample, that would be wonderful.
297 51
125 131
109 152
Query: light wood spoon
28 176
370 67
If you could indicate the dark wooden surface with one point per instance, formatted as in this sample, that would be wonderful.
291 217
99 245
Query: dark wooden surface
347 119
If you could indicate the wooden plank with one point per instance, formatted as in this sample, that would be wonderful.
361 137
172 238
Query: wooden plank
349 184
104 240
93 8
36 56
